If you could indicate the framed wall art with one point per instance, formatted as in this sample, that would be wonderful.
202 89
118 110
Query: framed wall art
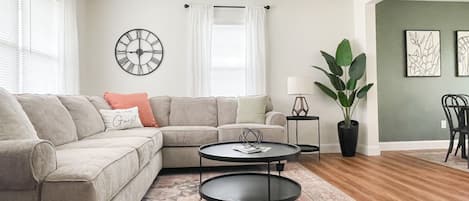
462 49
423 54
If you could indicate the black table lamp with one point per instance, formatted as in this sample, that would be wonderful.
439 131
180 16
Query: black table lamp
300 86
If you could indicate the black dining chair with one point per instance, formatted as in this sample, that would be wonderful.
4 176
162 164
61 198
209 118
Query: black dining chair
452 106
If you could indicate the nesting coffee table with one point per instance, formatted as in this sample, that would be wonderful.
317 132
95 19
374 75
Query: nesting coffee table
249 186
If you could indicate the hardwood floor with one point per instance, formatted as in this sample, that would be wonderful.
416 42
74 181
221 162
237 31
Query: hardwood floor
391 176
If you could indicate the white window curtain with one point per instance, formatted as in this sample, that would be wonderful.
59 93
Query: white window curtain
255 21
38 46
200 30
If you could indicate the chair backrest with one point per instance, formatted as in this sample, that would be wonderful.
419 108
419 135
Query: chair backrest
452 106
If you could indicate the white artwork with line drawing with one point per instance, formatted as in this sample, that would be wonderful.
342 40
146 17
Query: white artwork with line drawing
423 53
463 53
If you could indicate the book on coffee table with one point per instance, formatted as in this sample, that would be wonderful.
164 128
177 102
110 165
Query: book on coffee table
250 149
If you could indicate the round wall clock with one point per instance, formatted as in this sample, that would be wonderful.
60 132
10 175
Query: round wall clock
139 52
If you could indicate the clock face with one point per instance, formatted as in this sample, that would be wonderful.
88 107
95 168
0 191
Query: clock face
139 52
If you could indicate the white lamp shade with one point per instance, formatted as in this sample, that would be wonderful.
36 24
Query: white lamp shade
300 85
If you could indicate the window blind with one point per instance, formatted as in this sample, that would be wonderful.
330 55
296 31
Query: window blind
30 35
9 55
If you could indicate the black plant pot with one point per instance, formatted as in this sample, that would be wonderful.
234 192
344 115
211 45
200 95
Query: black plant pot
348 138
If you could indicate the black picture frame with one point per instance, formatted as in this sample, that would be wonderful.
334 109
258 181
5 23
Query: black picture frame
406 46
457 51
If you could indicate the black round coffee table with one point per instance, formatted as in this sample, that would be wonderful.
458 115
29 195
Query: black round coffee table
249 186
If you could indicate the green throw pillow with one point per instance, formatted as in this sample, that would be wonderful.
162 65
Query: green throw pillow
251 109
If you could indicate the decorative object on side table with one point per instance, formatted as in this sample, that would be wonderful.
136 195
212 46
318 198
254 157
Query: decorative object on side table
346 94
423 53
305 147
139 52
463 52
299 86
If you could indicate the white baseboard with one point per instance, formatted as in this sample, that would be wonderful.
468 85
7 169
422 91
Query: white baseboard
363 149
391 146
415 145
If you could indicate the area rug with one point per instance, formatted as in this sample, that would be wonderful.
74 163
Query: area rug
183 186
438 156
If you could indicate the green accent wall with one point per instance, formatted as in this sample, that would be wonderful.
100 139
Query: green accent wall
410 108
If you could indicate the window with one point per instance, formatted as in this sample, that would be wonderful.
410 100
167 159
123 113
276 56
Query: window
29 45
228 70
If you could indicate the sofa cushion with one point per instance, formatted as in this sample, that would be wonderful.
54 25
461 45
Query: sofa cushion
231 132
99 103
14 123
160 106
251 109
144 146
87 120
193 112
92 174
151 133
120 119
50 118
227 109
187 136
126 101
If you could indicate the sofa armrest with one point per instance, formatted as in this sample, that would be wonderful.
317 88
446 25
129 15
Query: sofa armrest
275 118
24 164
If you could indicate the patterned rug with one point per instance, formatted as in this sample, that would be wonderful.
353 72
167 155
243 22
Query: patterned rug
438 156
183 186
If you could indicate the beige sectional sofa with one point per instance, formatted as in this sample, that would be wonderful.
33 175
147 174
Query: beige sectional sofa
59 149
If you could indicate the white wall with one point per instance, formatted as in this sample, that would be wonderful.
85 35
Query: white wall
298 30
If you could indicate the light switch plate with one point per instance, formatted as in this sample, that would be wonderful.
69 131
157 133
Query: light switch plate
443 123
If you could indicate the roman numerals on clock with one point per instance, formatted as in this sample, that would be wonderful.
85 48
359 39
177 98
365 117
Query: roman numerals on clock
139 52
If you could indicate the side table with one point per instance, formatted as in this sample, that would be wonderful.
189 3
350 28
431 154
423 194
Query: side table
305 147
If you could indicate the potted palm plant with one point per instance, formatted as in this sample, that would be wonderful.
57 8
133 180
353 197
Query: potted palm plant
344 74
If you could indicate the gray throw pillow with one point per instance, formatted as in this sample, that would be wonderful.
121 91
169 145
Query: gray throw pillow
251 109
14 123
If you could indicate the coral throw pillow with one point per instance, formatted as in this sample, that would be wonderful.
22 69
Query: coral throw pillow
126 101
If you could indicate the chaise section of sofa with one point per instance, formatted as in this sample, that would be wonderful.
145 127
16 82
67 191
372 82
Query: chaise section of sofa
75 159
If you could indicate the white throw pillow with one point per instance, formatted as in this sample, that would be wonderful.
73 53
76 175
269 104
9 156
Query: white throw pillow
121 119
251 109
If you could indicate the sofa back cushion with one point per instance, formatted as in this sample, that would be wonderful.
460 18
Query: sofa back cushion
160 106
50 118
228 107
14 123
99 103
187 111
85 116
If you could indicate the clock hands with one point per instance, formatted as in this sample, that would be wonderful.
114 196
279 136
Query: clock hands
139 36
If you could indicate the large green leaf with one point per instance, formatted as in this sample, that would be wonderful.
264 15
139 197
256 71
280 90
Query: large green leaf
326 90
362 92
338 84
357 69
321 69
333 67
351 84
343 99
343 55
335 81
